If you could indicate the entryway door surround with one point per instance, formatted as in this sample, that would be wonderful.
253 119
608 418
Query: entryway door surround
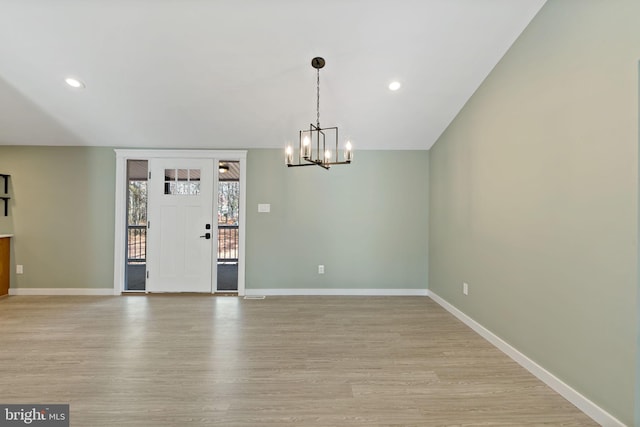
177 263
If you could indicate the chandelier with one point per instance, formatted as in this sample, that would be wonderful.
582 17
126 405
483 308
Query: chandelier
313 142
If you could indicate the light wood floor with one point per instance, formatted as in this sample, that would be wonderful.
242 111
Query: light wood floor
286 361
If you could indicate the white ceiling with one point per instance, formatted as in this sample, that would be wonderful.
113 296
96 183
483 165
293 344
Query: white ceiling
237 73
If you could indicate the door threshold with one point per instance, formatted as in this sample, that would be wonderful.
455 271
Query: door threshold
226 294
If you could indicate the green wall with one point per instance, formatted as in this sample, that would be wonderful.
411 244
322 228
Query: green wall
62 214
533 199
366 222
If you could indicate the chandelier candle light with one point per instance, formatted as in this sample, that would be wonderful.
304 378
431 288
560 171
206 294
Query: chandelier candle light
316 136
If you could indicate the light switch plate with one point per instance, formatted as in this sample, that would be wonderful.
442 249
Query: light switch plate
264 207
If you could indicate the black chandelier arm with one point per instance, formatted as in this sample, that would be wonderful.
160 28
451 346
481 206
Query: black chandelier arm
311 163
320 163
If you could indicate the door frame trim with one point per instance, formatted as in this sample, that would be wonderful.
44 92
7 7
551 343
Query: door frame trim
122 155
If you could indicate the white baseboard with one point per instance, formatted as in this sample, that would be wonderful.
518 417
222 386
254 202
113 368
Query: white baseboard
61 291
335 292
598 414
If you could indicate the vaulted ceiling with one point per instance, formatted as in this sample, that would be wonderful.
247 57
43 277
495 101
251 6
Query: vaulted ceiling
237 73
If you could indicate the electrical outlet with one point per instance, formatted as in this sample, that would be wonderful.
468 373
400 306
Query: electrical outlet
321 269
465 288
19 269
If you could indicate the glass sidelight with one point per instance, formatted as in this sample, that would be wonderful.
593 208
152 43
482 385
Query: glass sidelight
136 253
228 224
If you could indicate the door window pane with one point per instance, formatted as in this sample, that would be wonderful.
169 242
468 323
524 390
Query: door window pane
182 182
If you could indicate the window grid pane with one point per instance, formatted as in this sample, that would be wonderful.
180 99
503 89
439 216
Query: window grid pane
182 182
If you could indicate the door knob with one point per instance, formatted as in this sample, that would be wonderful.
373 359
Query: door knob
207 236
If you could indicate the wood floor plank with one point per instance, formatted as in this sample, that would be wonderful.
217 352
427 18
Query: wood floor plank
280 361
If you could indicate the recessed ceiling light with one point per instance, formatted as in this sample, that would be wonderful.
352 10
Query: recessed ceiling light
74 83
394 85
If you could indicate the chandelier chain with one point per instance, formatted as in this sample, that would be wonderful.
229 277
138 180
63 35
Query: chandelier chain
318 99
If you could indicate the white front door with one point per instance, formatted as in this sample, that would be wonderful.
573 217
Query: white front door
181 228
